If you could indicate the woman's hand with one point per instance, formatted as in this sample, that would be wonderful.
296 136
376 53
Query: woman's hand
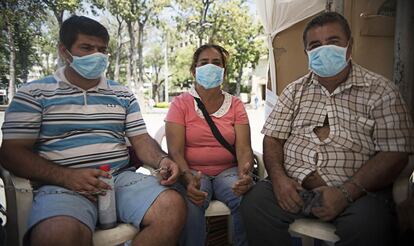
194 193
245 181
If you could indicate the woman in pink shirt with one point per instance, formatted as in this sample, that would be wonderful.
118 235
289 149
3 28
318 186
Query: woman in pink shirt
209 169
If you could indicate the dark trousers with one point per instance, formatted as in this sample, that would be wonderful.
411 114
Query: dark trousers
370 220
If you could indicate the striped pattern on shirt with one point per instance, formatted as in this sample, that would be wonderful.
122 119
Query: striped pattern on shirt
73 127
366 114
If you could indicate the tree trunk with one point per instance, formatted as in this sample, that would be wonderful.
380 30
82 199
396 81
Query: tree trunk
118 50
140 56
131 60
59 16
238 80
12 57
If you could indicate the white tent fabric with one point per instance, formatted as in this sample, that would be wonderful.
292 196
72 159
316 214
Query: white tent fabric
276 16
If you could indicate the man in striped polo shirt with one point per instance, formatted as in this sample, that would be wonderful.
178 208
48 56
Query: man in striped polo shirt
57 132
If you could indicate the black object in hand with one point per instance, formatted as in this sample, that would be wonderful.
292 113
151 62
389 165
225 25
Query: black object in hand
310 199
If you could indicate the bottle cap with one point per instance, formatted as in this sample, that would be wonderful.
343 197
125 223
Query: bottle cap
105 167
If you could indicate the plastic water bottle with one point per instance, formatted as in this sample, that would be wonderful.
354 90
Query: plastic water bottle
106 203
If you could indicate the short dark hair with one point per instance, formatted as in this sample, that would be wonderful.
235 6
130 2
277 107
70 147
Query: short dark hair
223 52
74 25
324 18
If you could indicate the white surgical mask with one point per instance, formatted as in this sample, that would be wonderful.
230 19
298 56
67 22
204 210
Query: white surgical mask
327 60
209 75
90 66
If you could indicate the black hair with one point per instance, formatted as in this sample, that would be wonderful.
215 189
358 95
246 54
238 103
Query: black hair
223 52
74 25
324 18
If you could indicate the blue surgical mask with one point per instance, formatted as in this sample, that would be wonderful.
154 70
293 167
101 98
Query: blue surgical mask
209 76
90 66
327 60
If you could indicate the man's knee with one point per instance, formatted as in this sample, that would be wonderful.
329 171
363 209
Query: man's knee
254 200
168 207
61 230
372 223
251 205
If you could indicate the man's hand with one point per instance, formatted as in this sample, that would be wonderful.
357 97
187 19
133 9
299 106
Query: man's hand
245 181
286 192
194 193
333 203
169 172
85 180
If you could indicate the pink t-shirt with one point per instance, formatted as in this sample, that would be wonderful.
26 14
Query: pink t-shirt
202 150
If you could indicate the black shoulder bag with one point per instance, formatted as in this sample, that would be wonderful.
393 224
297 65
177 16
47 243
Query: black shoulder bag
214 129
221 139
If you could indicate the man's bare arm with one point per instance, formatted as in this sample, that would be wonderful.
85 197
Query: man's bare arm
17 156
377 173
273 156
148 151
284 188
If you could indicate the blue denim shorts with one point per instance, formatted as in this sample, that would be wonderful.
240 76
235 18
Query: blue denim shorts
135 192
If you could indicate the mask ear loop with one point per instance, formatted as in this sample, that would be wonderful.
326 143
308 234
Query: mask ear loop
67 60
350 56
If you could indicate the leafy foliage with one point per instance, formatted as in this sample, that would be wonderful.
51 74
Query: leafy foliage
139 31
19 22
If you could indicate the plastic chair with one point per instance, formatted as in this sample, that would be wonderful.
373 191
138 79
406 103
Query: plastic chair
309 229
19 202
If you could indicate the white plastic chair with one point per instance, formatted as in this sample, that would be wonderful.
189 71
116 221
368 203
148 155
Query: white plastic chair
309 229
19 201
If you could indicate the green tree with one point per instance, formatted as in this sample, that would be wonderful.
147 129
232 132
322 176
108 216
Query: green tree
58 7
227 23
233 27
180 69
154 60
46 45
136 14
20 21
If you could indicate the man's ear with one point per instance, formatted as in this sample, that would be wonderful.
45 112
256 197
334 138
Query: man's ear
349 50
63 52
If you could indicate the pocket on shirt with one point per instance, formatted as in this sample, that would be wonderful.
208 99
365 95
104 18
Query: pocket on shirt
362 125
361 131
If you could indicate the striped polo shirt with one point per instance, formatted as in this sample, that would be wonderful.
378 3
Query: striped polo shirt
74 127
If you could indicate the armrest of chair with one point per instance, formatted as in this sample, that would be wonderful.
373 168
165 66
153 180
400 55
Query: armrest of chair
261 167
18 204
114 236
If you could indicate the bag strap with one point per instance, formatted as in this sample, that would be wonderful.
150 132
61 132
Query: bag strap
214 128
